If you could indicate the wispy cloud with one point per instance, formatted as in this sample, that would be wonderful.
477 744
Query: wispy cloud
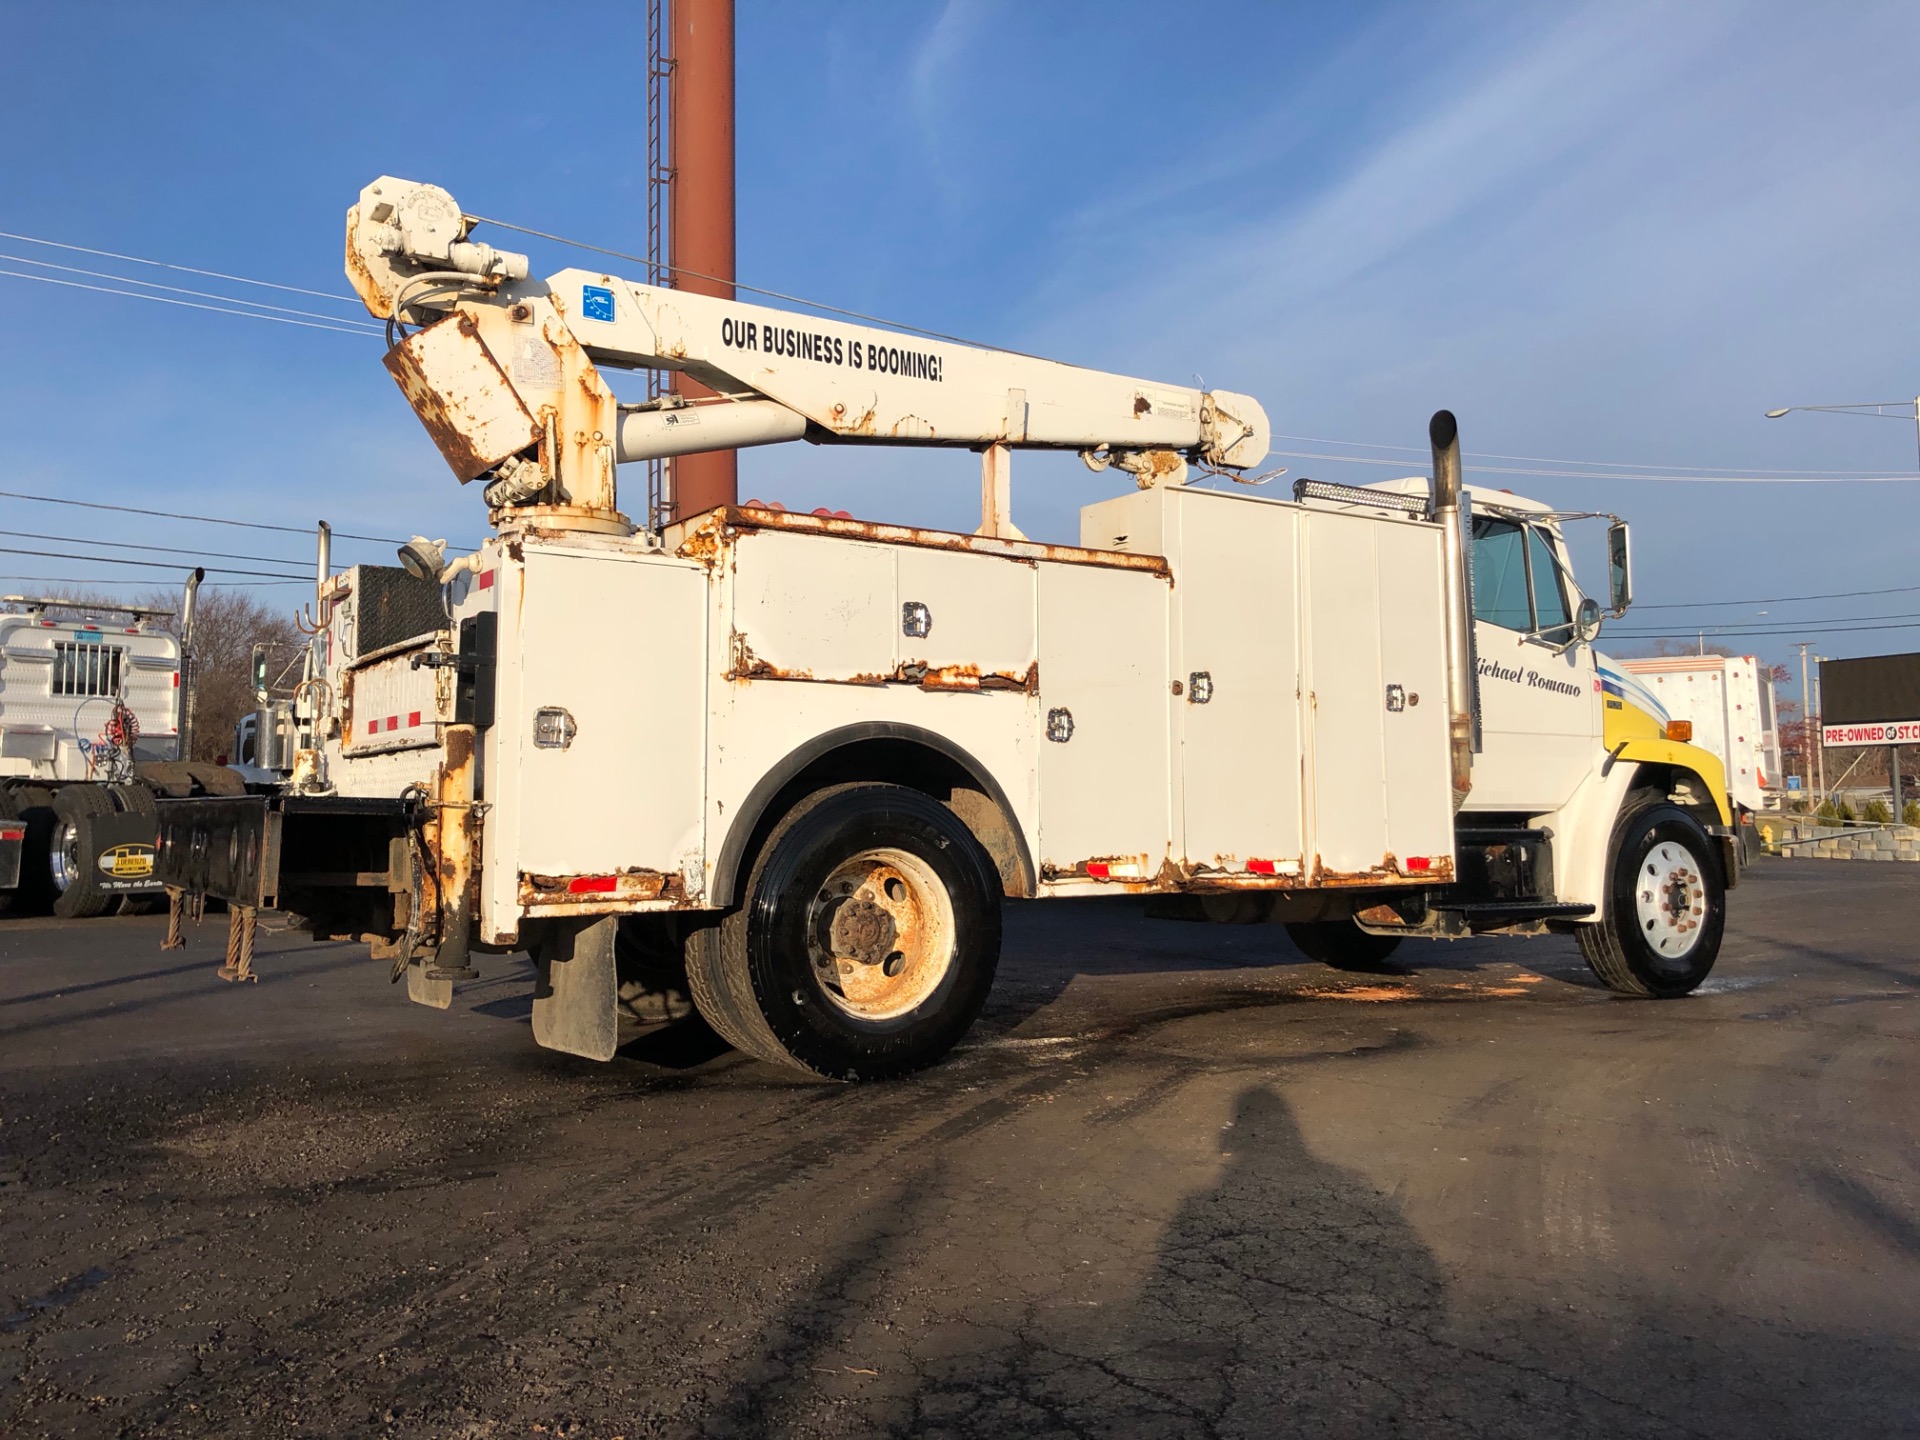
935 93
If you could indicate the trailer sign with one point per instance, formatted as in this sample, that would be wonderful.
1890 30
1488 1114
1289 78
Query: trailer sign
1884 732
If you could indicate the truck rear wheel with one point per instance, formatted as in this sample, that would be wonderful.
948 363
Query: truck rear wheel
1666 905
866 940
34 805
10 810
1343 945
72 856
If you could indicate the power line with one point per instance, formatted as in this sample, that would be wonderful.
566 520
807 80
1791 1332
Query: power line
1549 460
196 519
146 564
333 295
158 549
1777 599
367 325
652 265
187 304
1815 628
150 584
1668 478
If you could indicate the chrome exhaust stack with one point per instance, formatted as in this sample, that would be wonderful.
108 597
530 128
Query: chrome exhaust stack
1454 511
188 597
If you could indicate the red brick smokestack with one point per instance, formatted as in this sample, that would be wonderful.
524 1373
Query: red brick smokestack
700 133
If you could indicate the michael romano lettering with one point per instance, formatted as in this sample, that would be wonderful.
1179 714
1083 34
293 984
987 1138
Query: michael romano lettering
1513 674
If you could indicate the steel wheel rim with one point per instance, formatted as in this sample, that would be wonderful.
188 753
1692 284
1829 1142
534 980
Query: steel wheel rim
881 934
1670 901
63 856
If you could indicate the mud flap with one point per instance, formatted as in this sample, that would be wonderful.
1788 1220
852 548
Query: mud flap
423 991
576 990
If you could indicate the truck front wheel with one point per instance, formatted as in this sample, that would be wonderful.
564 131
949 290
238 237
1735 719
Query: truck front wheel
1666 905
866 941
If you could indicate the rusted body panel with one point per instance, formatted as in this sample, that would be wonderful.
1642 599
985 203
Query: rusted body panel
458 389
1147 723
704 538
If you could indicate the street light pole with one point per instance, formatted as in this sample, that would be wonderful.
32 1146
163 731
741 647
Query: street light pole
1872 409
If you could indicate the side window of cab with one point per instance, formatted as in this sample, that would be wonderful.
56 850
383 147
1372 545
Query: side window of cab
1553 616
1500 575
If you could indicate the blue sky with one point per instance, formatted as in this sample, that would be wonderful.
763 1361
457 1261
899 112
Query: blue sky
1610 232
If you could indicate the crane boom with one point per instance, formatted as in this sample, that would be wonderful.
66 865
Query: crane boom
507 379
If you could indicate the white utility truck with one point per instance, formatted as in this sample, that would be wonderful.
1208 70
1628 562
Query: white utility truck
92 706
1728 700
810 755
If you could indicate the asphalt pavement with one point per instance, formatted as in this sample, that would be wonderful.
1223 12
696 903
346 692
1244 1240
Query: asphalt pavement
1181 1182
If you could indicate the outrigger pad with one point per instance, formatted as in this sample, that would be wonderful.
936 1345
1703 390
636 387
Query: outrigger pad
576 992
425 991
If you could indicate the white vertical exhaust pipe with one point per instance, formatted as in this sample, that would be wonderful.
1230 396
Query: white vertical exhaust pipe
1454 512
323 565
187 600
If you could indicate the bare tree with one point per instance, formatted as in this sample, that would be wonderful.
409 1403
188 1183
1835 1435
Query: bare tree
227 625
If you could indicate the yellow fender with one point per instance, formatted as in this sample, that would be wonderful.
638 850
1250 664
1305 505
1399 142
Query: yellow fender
1647 750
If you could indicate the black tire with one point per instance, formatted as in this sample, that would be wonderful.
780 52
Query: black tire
34 805
815 971
9 810
71 868
1666 905
650 969
137 797
1343 945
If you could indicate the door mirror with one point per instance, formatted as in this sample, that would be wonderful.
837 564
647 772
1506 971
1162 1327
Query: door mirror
1619 568
1586 620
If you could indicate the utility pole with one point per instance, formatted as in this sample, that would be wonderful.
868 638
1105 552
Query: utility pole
700 213
1821 753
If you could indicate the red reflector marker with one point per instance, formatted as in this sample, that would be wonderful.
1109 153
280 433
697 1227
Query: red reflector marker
1419 862
592 885
1099 869
413 719
176 679
1260 867
486 580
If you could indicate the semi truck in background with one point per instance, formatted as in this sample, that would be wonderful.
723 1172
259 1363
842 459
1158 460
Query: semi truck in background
94 712
1728 701
803 758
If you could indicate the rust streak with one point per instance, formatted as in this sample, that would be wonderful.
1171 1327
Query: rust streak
635 884
750 518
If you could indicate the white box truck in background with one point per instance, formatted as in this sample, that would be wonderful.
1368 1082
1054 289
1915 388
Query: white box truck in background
1729 701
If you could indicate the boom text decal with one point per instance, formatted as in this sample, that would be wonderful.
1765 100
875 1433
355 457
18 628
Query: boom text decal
789 343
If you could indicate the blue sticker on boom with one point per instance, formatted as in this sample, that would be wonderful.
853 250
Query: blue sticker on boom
596 302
